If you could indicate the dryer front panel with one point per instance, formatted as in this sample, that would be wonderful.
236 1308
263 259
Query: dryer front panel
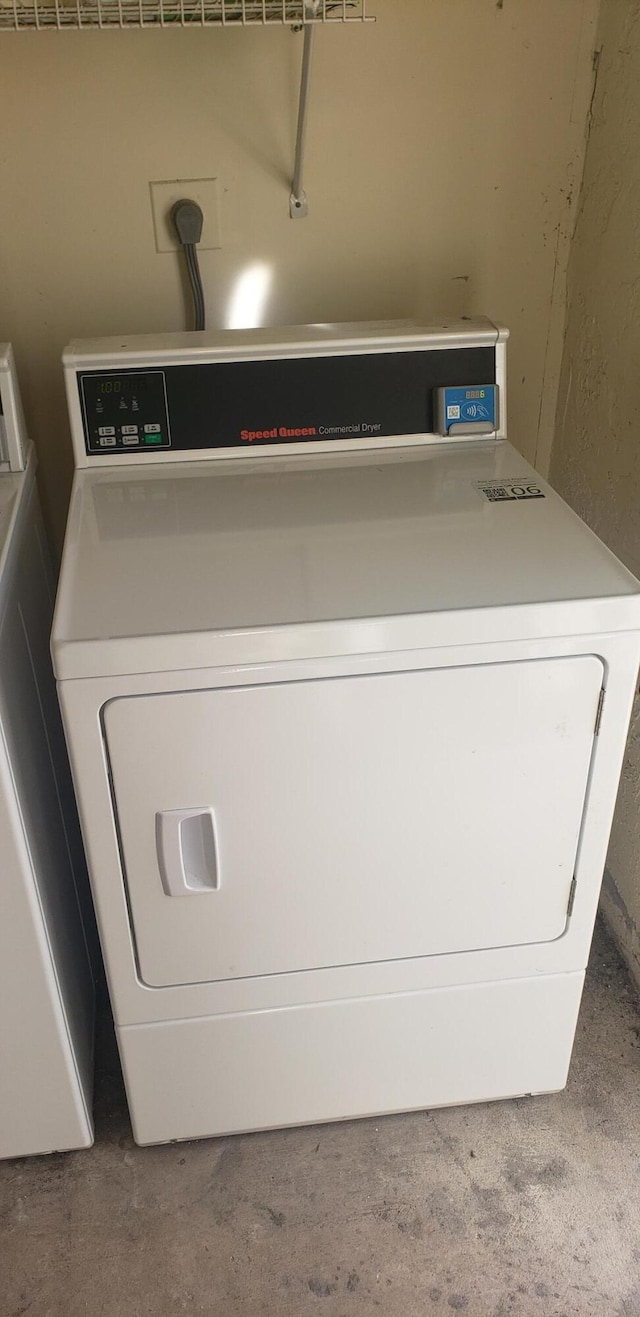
277 828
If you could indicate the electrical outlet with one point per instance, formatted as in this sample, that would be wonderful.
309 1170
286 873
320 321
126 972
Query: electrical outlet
164 196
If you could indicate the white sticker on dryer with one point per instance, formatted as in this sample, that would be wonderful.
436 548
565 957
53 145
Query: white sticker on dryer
509 491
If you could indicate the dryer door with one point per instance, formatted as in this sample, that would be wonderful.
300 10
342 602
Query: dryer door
273 828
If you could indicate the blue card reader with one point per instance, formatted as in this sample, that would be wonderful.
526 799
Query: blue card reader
462 410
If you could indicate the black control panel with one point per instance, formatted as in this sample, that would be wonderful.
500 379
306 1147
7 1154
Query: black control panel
125 411
254 404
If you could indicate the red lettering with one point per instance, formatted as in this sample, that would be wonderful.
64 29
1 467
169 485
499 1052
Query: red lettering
297 433
248 436
282 432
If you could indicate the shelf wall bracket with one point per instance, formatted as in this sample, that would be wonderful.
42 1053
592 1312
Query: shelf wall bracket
298 204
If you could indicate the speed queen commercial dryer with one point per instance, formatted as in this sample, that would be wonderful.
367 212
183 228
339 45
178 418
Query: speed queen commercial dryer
346 688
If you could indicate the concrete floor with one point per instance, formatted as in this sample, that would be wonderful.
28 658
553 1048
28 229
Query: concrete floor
516 1208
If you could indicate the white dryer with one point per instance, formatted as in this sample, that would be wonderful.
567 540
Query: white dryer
46 984
346 688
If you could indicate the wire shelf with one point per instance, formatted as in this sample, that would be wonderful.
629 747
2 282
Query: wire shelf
43 15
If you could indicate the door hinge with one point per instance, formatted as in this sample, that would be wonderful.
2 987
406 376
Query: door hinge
599 712
572 896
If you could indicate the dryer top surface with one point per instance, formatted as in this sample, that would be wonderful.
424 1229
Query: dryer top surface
195 565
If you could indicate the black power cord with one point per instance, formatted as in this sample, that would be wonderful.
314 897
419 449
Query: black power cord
187 221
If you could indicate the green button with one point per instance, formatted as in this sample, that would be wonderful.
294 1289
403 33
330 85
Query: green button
153 438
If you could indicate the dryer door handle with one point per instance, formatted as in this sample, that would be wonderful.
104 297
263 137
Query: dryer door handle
187 850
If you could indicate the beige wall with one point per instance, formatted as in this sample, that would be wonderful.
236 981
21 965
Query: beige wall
596 457
445 150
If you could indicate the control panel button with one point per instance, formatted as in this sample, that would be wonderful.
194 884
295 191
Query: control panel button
153 438
107 441
152 429
128 440
129 429
106 429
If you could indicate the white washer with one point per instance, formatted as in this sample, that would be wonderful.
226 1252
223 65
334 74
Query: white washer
346 702
46 986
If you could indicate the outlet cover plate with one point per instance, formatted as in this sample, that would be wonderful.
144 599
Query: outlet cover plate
164 195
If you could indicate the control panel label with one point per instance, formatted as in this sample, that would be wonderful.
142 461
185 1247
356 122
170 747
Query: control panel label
278 432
